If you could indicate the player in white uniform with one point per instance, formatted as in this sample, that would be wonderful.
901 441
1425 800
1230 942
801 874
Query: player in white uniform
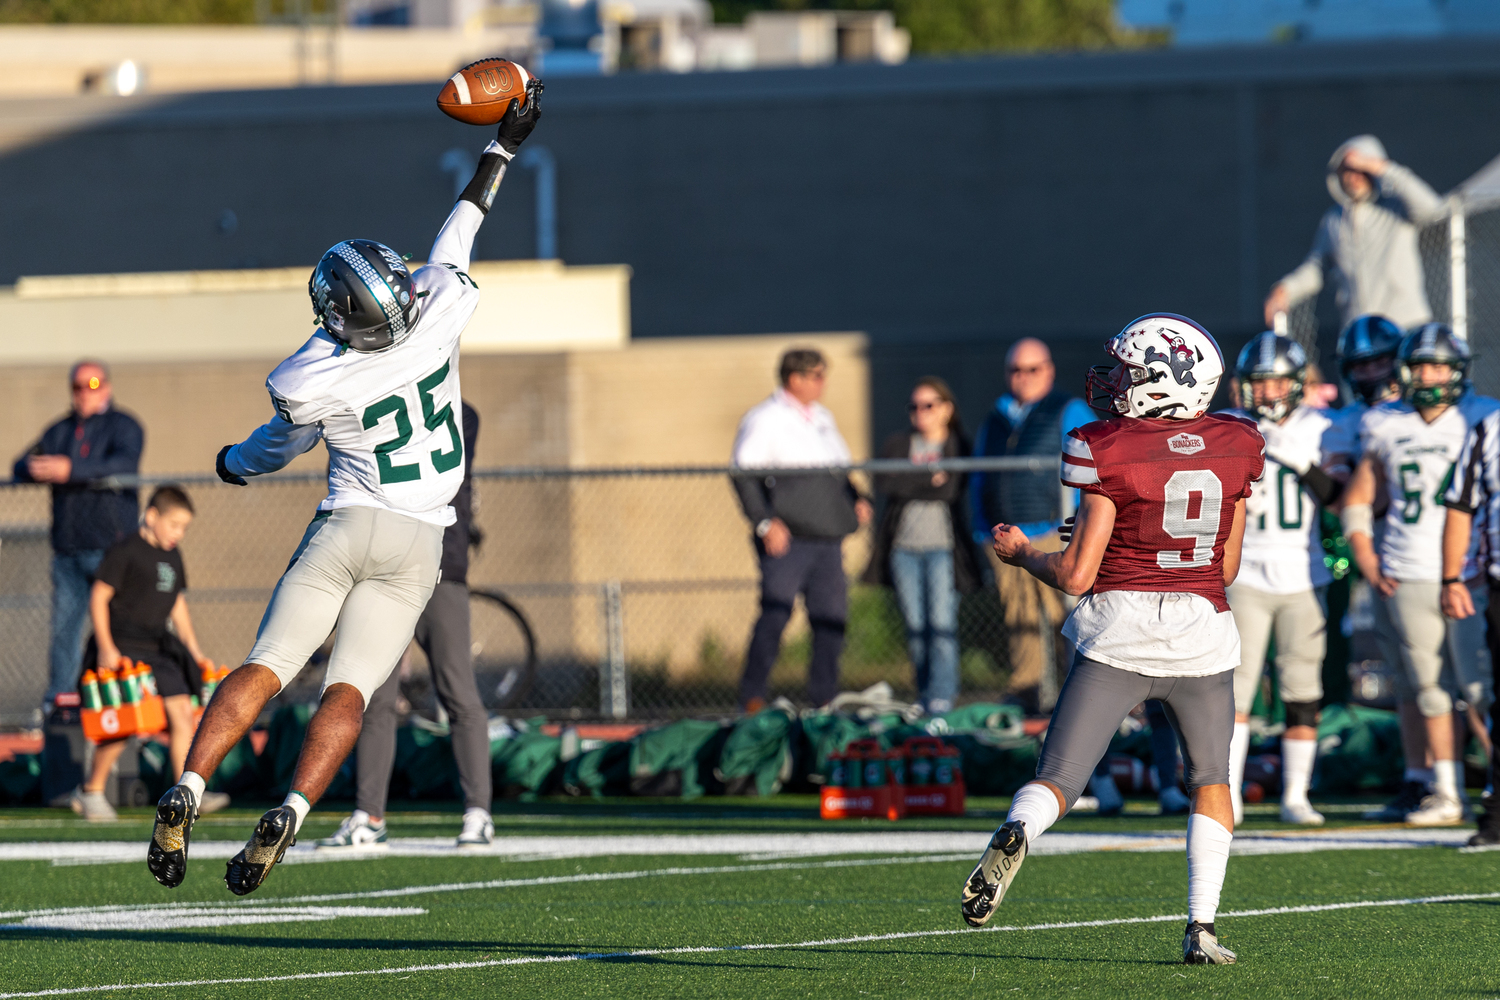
1367 360
1410 446
378 383
1283 578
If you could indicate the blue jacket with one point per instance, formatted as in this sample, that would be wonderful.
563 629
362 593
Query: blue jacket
106 444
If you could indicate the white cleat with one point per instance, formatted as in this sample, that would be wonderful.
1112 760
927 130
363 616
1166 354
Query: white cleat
1201 947
356 833
1437 809
992 876
1301 813
479 829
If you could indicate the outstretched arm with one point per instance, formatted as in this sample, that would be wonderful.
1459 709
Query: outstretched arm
270 447
1074 568
455 241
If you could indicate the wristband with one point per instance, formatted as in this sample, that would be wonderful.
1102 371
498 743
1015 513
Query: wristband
1452 579
1357 519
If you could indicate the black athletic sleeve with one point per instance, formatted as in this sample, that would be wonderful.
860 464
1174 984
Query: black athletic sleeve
1324 488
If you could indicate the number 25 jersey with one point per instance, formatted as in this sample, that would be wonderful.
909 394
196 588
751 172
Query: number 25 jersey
1158 604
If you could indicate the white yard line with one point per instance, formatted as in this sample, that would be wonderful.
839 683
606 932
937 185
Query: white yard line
750 846
135 918
710 949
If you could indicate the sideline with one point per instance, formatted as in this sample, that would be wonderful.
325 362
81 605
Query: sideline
711 949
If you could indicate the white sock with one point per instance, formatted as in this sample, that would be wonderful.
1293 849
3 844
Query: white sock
195 784
1239 749
1036 807
1422 775
1208 857
1297 758
1445 777
299 805
360 816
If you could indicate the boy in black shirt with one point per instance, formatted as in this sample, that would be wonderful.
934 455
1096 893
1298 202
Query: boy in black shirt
137 589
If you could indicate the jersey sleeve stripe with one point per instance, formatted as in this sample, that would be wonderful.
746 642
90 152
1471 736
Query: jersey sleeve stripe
1077 447
1078 475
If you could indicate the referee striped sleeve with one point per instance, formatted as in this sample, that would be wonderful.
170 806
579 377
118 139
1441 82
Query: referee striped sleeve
1078 462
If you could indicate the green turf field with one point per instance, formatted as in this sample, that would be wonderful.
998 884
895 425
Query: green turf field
867 924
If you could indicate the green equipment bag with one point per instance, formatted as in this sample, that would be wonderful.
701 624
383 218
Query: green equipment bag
424 767
599 772
21 779
670 761
758 753
1359 750
824 734
526 764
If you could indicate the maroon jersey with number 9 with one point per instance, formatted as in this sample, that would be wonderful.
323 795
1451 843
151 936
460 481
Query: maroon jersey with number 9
1174 484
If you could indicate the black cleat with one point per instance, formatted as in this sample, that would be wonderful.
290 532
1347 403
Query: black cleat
273 835
1200 946
992 876
1489 826
167 855
1407 801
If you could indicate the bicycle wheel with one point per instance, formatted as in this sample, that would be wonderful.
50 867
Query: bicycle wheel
504 648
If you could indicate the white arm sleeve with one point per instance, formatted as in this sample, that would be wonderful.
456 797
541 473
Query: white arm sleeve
271 446
455 241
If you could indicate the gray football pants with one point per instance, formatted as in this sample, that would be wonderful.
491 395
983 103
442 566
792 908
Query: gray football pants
1440 659
443 634
1300 622
368 571
1096 698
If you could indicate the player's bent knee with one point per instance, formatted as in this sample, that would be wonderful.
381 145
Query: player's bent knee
342 691
1433 702
1301 713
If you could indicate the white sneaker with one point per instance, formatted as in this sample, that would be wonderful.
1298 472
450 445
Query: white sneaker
1173 802
1437 809
356 833
1301 813
212 802
92 806
479 829
1111 802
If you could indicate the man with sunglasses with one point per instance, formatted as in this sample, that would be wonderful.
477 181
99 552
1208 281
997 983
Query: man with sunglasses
93 442
1031 418
1367 242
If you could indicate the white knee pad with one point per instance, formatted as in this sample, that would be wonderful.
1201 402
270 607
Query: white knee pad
1433 702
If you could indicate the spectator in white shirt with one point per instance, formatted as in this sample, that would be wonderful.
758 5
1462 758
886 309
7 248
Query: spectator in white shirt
800 521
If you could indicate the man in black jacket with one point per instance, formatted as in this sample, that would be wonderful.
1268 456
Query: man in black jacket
800 522
75 455
1032 418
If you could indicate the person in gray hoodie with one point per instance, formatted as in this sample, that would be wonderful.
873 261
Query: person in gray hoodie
1367 241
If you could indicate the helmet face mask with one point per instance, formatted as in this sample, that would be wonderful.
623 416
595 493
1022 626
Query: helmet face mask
1167 367
1270 357
362 294
1370 338
1434 345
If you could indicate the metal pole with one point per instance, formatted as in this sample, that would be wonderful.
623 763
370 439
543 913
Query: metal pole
541 160
1458 273
614 692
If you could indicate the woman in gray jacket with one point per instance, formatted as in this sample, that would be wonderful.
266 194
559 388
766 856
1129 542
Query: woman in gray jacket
1367 242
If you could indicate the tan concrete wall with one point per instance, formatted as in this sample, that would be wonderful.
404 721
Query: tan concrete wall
52 60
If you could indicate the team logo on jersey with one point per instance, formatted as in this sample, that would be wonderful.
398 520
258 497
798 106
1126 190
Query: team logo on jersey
1186 444
1179 358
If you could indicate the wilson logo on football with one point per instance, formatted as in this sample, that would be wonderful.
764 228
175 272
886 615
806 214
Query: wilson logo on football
1186 444
495 81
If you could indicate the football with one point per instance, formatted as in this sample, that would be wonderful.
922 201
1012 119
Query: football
480 93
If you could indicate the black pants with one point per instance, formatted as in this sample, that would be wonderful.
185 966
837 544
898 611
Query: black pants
1492 639
814 568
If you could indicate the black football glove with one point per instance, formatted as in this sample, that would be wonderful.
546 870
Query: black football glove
516 126
223 470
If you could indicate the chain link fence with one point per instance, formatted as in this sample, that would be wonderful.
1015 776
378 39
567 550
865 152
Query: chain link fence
608 593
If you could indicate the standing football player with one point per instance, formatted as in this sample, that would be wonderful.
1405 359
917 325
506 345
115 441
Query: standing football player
378 383
1283 578
1474 496
1367 361
1410 446
1156 540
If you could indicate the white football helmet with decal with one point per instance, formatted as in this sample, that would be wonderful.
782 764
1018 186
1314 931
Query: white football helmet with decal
1168 367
